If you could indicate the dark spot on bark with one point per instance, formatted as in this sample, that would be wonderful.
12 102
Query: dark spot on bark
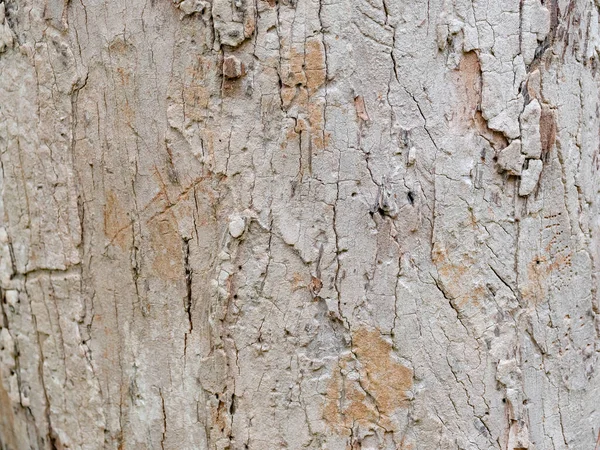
233 405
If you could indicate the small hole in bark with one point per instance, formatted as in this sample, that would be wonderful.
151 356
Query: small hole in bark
503 400
235 296
411 197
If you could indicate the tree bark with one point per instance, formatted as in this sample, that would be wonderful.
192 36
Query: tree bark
269 224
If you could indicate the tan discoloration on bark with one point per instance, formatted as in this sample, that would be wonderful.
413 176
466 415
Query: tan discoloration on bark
314 65
7 425
375 393
195 98
316 111
539 270
117 224
547 128
347 404
288 93
119 46
384 378
467 83
167 262
361 110
124 75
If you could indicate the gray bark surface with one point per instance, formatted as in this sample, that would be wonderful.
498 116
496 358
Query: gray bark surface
288 224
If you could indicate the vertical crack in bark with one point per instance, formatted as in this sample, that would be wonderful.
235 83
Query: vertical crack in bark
336 279
392 56
164 418
423 117
11 252
188 284
450 300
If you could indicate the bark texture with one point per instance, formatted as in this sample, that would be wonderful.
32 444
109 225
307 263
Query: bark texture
287 224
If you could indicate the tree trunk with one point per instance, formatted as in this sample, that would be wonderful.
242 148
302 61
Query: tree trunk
250 224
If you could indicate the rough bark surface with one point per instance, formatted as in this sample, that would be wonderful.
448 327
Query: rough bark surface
264 224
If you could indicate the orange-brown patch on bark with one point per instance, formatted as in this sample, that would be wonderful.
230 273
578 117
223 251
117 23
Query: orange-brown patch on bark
384 378
316 118
7 427
361 109
302 75
449 270
298 281
116 221
302 98
166 245
467 86
124 75
295 69
471 297
288 93
467 82
314 65
347 404
547 128
119 46
304 69
128 113
249 25
376 394
195 101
